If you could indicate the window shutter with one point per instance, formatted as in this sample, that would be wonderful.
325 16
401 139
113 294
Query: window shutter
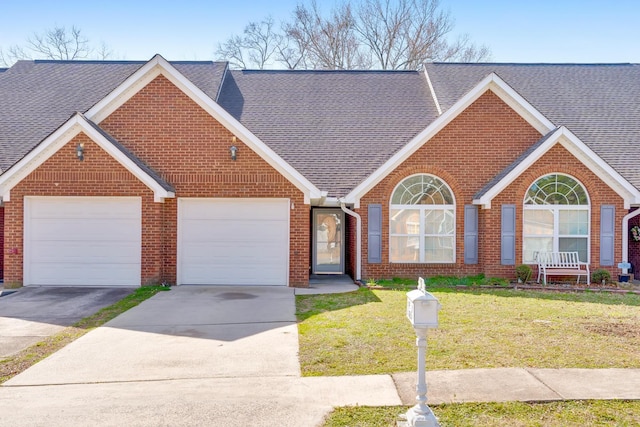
374 248
508 235
470 234
607 234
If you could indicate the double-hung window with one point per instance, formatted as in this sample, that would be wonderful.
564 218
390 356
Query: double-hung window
422 221
556 217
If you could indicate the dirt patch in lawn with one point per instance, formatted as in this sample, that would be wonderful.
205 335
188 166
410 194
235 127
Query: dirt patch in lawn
619 329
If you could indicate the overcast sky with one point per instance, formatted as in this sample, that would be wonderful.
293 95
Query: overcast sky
515 30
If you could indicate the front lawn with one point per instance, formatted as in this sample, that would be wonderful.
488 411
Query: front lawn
366 332
513 414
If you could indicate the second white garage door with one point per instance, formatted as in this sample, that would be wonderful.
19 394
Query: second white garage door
233 241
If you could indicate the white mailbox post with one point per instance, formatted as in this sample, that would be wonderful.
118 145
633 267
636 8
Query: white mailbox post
422 311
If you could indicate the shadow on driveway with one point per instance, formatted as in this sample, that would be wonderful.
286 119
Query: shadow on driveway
28 315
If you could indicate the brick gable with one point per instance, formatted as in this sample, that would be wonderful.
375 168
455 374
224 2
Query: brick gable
167 130
473 148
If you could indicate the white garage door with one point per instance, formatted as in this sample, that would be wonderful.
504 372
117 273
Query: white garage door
233 241
82 241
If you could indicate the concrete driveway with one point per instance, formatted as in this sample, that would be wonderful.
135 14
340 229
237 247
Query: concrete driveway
28 315
188 332
193 356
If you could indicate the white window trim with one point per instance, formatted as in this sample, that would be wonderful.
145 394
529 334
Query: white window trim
556 219
421 208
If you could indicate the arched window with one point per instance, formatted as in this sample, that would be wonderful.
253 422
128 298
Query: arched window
422 221
556 217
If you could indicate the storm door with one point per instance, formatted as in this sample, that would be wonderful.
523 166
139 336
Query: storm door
328 241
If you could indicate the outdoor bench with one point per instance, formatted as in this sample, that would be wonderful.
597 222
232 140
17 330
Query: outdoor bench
561 264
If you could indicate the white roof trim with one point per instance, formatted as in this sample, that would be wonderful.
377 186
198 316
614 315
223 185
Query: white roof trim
492 82
433 92
582 152
58 139
158 65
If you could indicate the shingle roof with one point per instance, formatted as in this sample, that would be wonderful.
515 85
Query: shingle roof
599 103
38 96
334 127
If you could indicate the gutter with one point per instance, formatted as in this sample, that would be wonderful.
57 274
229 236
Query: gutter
359 238
625 237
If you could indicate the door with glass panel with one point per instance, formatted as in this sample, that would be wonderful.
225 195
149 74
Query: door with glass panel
328 241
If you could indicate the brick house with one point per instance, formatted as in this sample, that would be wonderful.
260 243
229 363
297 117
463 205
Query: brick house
129 173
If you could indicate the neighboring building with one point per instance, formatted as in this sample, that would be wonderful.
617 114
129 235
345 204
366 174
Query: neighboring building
129 173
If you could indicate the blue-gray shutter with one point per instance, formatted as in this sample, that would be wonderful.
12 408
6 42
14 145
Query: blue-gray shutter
508 235
374 248
607 234
470 234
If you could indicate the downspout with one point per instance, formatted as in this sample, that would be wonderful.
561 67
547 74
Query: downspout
625 237
358 238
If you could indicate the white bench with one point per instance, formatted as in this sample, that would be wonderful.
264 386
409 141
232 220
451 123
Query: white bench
561 264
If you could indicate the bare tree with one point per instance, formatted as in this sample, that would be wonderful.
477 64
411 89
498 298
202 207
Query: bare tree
330 43
358 34
404 34
255 49
59 43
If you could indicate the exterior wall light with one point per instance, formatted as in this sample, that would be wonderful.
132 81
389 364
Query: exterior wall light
233 150
80 151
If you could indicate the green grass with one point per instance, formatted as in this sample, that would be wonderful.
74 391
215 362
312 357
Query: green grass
366 332
13 365
512 414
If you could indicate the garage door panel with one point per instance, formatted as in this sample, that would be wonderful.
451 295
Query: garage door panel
82 209
83 241
79 252
47 274
233 241
234 230
231 275
88 229
235 209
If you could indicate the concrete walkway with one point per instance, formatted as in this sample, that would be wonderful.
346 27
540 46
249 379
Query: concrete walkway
228 356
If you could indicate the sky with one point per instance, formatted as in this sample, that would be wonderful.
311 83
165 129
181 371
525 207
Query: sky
560 31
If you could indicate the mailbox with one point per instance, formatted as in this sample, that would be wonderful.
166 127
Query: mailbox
422 307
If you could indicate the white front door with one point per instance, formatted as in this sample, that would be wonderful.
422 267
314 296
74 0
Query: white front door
233 241
82 241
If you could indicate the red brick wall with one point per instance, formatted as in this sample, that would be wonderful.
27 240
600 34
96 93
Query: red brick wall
188 148
466 154
2 240
97 175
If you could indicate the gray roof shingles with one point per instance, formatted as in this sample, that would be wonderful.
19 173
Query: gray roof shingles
334 127
36 97
337 127
599 103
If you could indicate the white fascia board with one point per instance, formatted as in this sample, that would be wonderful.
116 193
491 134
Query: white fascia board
485 200
606 173
583 153
492 82
432 91
159 192
54 142
16 173
158 65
